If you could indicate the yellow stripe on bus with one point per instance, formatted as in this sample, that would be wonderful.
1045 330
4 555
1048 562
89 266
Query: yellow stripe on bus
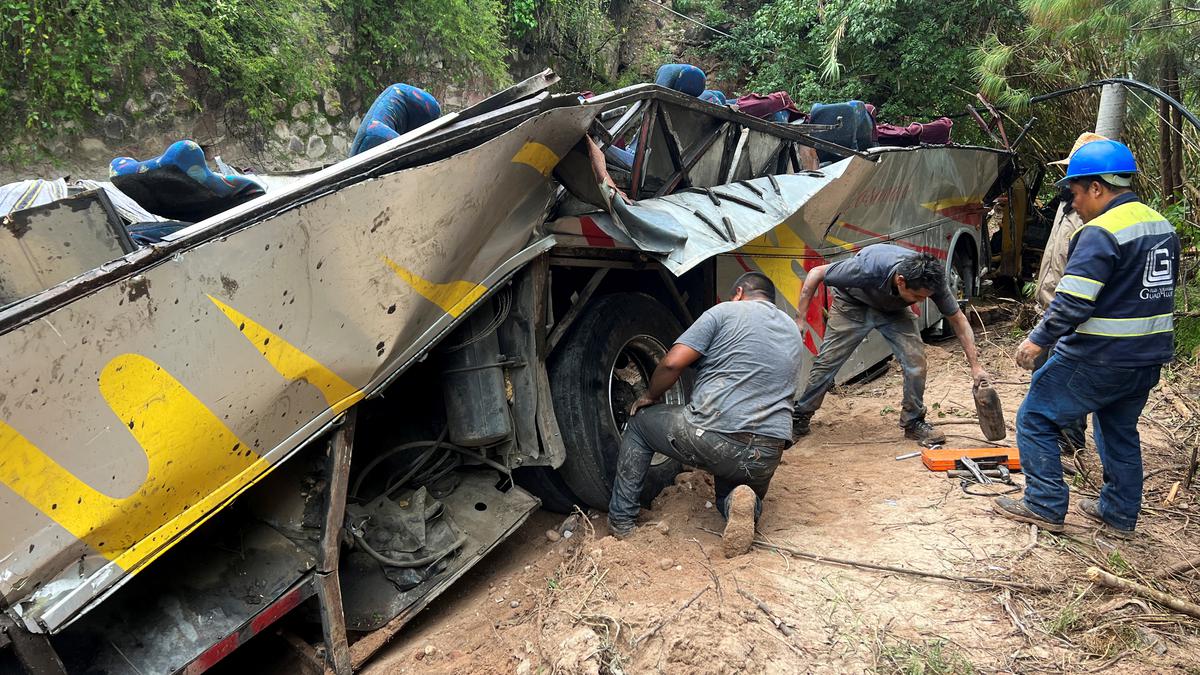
293 363
538 156
193 461
454 297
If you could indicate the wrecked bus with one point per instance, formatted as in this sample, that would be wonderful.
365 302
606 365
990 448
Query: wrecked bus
330 402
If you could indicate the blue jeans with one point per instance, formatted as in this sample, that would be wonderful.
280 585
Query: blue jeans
848 325
1073 435
1065 390
665 429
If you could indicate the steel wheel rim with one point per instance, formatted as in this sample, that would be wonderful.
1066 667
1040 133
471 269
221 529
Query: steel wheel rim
629 377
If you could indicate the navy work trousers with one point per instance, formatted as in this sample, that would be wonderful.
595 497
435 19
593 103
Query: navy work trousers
1065 390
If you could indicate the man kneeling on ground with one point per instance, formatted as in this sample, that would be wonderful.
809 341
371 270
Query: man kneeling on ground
747 352
873 291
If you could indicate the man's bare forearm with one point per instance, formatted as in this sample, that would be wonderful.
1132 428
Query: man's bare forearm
966 338
812 281
665 376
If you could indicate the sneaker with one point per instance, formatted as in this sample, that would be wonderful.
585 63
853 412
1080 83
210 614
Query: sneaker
620 530
924 433
800 423
1090 509
739 528
1015 509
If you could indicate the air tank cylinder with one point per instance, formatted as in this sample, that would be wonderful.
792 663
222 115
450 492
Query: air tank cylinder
473 383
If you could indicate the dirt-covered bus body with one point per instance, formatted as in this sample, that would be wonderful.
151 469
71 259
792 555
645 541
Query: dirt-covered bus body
176 425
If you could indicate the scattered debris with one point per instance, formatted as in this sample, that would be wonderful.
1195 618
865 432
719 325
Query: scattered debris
762 606
1099 576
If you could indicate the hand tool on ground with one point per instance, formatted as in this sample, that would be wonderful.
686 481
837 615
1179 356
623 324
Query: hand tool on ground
977 475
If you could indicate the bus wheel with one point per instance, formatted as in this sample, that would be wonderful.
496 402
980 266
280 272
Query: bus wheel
601 367
961 278
960 274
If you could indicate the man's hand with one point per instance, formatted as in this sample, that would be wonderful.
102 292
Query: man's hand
979 375
642 402
1027 354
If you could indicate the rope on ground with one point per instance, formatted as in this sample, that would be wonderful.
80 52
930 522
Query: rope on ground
980 581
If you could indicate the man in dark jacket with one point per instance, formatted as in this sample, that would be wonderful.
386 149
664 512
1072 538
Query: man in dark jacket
873 291
1112 329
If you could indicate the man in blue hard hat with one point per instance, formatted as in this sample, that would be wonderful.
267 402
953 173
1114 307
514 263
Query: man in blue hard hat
1112 320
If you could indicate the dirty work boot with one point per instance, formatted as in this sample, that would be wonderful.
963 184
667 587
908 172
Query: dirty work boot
739 528
1015 509
800 424
1090 509
620 530
924 433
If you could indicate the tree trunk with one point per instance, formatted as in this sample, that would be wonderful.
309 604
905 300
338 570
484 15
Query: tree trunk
1110 120
1165 154
1176 117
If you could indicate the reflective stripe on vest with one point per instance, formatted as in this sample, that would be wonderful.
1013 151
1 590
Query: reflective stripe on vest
1137 327
1144 229
1130 221
1080 287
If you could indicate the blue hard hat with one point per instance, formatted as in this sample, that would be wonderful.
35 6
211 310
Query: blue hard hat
1102 159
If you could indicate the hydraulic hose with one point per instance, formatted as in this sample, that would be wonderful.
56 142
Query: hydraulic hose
419 562
1135 84
400 448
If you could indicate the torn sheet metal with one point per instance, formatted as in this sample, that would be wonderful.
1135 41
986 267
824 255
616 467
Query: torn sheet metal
687 228
844 206
51 243
187 371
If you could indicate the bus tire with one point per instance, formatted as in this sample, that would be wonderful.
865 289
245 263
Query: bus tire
547 485
961 278
601 366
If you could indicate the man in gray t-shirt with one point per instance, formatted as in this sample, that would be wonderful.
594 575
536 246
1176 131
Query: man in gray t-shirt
746 352
873 291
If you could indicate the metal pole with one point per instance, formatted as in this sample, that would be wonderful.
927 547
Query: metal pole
1110 119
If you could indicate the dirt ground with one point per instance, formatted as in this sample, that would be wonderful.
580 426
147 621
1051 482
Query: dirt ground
665 600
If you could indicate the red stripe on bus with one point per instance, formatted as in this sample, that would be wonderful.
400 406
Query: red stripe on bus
256 625
937 252
594 235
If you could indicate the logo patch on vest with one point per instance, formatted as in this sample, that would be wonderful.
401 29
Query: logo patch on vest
1158 268
1159 278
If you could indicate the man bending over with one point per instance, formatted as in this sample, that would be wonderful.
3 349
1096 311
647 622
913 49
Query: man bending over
873 291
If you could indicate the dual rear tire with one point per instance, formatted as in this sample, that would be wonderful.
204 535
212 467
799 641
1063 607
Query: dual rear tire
602 366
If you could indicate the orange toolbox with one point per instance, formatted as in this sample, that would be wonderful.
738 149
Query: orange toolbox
945 459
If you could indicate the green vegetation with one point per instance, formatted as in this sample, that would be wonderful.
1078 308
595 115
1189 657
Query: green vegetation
1069 42
60 63
1067 618
391 41
1118 565
928 658
1187 324
910 58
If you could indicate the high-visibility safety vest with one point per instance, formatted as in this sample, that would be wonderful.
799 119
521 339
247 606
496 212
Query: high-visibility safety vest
1114 303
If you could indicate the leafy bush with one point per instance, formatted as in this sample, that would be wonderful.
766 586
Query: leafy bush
910 58
61 60
392 41
65 59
